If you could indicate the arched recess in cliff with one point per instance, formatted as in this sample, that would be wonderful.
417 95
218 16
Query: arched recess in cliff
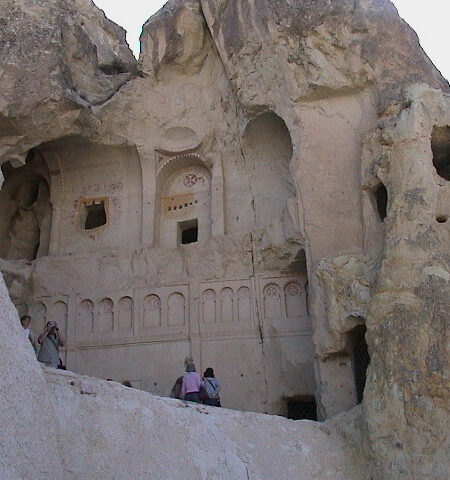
360 358
183 201
96 194
440 146
267 149
375 198
25 223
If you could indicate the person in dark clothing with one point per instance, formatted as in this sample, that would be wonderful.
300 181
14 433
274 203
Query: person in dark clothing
176 389
212 388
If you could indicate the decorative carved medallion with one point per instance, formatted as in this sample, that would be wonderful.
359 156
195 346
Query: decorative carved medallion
190 180
271 290
293 289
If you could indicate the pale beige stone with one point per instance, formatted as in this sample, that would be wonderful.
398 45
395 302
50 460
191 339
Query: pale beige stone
300 144
407 318
62 426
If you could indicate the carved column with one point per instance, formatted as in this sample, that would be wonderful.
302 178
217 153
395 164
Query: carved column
148 170
217 200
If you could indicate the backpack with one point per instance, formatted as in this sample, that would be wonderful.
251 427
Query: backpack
203 394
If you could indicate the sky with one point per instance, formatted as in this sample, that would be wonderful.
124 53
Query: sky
428 18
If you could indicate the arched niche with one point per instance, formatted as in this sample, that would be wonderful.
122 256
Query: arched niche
183 203
94 189
440 146
25 223
381 200
267 184
360 358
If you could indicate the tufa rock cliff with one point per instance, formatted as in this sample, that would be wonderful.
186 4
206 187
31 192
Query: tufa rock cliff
351 121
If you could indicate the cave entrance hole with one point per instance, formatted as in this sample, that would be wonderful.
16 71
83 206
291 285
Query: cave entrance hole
381 197
440 146
360 359
95 215
301 408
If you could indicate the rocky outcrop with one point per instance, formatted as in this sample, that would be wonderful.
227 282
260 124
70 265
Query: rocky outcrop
367 212
406 400
26 405
346 285
302 51
58 58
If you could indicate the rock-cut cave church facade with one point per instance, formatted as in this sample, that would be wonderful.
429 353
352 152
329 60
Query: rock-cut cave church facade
186 223
142 265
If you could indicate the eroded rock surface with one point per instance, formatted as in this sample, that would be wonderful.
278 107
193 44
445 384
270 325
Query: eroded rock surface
294 142
406 399
63 426
58 58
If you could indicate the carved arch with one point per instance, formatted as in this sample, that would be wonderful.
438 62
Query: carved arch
168 218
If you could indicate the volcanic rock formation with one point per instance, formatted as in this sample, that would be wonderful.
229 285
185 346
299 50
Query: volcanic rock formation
267 190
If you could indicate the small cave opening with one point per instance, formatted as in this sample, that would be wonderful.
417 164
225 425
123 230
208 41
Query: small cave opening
116 67
301 408
26 210
441 218
94 215
360 358
188 231
381 199
298 265
440 146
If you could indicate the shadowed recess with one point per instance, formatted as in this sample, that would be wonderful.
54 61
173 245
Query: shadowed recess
440 145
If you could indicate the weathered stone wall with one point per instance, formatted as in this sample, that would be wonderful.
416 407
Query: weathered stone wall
52 59
26 405
335 77
408 316
235 291
51 430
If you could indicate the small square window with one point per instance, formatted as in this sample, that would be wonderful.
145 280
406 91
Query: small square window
93 214
188 231
302 408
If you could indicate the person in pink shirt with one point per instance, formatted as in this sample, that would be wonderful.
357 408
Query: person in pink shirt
191 384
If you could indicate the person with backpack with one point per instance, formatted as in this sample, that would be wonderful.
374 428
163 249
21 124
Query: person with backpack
176 389
212 388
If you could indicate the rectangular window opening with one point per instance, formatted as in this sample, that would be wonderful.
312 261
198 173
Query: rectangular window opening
302 409
188 231
93 215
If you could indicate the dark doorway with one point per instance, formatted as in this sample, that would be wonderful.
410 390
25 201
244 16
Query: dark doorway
440 145
302 408
381 196
360 359
188 231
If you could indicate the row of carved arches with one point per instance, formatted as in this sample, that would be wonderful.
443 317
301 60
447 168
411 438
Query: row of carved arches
153 311
226 306
287 301
41 313
106 317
